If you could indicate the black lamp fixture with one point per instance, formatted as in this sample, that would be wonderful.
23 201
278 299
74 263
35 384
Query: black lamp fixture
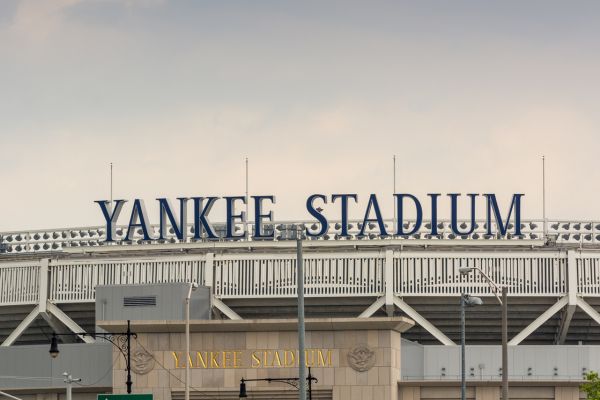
243 394
54 346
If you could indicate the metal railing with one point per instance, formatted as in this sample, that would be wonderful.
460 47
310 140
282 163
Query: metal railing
273 275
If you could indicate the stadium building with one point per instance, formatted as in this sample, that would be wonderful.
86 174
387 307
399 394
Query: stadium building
382 312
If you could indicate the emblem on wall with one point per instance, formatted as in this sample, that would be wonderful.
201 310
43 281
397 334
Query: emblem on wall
361 358
142 361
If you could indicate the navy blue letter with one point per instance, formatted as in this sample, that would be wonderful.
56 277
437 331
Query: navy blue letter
492 204
344 198
320 217
400 224
111 216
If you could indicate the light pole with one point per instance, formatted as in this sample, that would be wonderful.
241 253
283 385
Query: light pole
465 300
193 286
69 381
504 303
300 280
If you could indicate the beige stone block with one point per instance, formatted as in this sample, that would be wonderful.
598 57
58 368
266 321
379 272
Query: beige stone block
339 339
361 337
176 344
229 378
251 340
356 393
345 392
262 340
328 376
140 380
387 358
316 340
163 378
367 392
196 342
373 378
152 377
336 393
372 339
163 342
339 376
328 340
488 393
272 340
396 342
206 341
362 378
351 376
566 393
218 342
385 339
378 392
342 357
384 375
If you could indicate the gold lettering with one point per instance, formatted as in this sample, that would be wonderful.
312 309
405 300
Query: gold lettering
277 359
255 360
214 363
266 359
321 360
226 357
289 362
310 362
176 357
189 356
201 360
236 360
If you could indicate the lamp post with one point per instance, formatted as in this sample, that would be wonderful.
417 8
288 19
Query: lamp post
300 279
295 382
504 303
465 300
121 341
69 381
193 286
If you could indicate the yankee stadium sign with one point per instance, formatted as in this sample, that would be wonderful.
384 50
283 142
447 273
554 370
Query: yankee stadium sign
177 218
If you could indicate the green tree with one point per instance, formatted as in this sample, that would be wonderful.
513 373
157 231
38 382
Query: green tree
592 386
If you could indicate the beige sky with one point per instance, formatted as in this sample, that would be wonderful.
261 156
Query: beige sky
318 95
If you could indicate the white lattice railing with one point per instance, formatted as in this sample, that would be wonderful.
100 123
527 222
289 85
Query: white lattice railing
324 276
588 275
436 274
351 274
72 282
19 284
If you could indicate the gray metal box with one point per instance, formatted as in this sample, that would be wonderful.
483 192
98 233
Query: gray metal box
151 302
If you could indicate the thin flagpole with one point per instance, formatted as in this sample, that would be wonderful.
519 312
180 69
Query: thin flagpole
395 210
111 184
544 196
246 220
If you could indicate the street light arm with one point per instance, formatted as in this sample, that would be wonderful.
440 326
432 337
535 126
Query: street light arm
491 282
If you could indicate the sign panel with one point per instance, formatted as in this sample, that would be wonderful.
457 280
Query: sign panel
136 396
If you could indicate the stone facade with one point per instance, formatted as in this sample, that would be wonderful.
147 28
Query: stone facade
357 360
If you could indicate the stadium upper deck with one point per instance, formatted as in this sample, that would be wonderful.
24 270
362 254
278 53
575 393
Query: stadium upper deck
48 277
